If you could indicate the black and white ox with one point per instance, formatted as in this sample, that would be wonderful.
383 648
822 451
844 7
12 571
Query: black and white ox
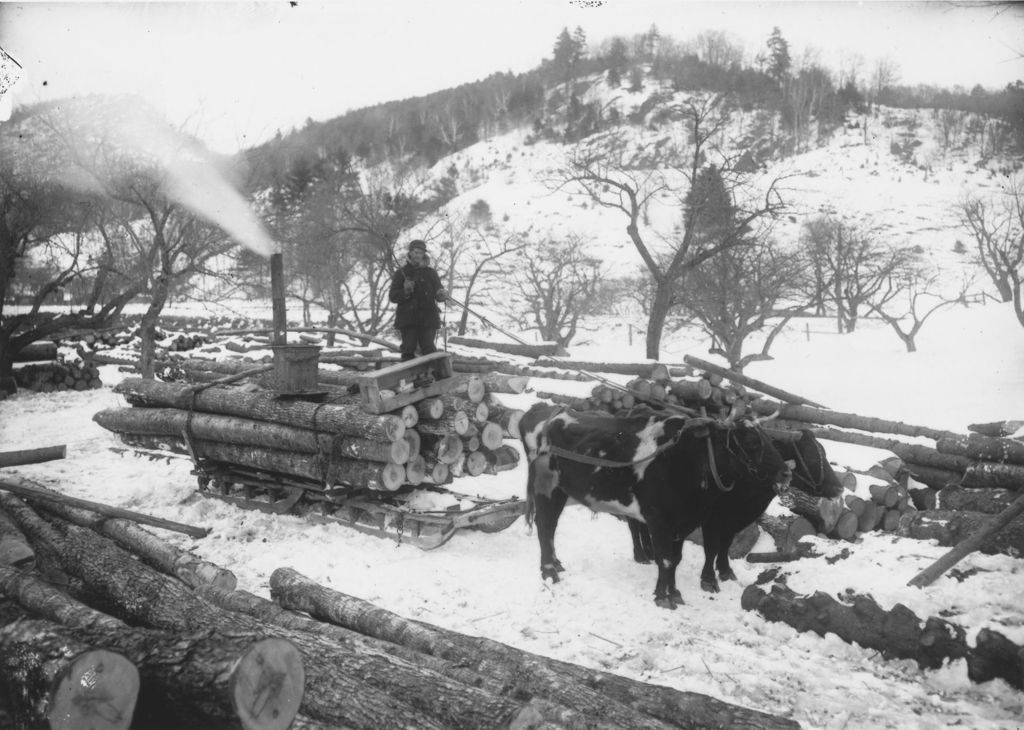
733 512
666 472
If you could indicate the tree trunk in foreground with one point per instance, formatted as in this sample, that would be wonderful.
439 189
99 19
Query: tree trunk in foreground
354 690
56 681
562 682
163 556
14 548
264 406
209 680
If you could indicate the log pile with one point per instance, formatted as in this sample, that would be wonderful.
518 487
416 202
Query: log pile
159 652
58 375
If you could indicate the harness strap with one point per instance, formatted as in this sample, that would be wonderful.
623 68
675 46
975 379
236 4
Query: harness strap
713 467
598 461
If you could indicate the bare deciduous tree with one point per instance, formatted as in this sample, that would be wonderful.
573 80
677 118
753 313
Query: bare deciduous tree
909 297
849 267
623 177
555 283
741 292
997 225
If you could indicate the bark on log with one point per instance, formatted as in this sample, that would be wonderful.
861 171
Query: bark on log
848 420
749 382
265 610
455 422
507 418
355 691
37 351
950 527
821 512
58 682
541 349
640 369
984 448
199 680
997 428
994 476
989 501
43 600
568 684
28 490
160 554
896 633
323 417
983 535
32 456
910 453
14 548
375 475
495 382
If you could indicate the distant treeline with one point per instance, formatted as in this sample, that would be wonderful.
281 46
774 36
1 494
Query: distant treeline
549 101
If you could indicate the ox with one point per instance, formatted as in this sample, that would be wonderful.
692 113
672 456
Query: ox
665 472
812 473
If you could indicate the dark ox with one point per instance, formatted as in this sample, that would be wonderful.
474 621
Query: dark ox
665 472
732 512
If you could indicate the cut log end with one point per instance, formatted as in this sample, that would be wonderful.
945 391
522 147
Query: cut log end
267 685
98 691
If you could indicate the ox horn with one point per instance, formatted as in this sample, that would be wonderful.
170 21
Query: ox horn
758 420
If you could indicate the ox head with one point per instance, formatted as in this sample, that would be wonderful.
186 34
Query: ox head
812 472
742 453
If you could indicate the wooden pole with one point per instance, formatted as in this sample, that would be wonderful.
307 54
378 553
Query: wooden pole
23 488
962 550
33 456
277 295
750 382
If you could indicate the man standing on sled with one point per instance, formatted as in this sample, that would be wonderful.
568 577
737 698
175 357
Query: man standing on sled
416 289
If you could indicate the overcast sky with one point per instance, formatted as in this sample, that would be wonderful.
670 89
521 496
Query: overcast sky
235 72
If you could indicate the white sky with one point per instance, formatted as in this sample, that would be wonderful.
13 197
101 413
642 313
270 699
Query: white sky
236 72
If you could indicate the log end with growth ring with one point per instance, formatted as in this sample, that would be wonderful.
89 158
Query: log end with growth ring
267 685
98 691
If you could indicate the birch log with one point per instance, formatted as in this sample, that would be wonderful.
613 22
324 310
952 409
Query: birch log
264 406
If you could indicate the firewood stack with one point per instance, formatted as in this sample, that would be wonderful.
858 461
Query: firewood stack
113 638
58 375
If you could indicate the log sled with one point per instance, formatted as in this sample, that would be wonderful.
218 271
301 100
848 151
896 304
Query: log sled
355 454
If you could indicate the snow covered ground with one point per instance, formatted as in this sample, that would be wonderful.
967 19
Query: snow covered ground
969 367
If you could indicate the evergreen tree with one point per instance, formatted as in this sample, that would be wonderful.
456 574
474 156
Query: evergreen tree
779 62
616 61
709 208
564 54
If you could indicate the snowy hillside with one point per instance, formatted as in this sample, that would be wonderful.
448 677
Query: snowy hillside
888 173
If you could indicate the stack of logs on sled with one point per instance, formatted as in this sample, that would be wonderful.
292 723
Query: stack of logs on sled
104 624
335 441
945 492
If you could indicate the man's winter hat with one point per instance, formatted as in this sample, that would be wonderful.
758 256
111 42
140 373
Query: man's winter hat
418 244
